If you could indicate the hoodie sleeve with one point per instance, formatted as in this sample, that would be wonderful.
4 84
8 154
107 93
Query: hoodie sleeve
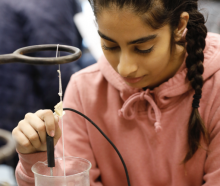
212 163
23 173
76 138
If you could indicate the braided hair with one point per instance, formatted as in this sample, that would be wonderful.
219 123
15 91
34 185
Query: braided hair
195 39
160 13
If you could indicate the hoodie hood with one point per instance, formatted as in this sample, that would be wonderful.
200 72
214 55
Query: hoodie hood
168 93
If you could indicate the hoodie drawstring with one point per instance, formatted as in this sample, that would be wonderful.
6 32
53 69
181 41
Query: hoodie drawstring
130 108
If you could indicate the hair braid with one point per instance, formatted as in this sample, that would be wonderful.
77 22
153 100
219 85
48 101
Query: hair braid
195 39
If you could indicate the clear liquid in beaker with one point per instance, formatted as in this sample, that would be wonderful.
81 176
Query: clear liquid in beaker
77 173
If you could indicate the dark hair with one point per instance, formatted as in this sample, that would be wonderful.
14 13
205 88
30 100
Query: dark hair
160 13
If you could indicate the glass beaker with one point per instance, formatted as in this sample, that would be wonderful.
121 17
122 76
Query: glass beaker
77 172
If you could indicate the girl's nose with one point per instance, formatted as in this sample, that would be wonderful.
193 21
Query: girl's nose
127 66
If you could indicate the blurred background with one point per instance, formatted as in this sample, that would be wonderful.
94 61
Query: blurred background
211 9
28 88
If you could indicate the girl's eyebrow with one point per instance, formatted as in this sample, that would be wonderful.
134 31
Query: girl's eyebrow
137 41
143 39
105 37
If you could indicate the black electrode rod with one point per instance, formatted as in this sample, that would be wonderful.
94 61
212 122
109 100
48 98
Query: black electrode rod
50 151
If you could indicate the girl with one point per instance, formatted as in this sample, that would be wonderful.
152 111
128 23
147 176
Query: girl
154 93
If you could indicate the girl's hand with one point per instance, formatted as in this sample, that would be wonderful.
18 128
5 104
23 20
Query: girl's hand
30 134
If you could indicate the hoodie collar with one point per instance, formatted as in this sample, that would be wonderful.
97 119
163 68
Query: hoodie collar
130 107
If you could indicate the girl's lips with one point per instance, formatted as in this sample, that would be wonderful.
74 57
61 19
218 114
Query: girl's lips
133 80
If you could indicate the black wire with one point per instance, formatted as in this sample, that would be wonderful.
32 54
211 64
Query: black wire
126 171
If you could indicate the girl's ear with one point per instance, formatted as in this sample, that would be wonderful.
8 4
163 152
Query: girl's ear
178 32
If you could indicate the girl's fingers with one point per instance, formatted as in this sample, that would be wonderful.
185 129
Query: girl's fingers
30 133
38 125
49 120
23 145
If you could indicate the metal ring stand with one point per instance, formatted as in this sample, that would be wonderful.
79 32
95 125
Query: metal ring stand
9 148
19 57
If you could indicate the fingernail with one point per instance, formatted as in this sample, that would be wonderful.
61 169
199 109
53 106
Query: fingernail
52 133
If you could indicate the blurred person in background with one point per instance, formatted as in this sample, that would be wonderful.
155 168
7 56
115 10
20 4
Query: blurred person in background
211 9
27 88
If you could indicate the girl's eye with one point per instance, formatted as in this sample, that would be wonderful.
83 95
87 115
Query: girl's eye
136 49
109 48
144 51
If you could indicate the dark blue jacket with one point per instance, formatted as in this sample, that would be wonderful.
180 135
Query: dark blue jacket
27 88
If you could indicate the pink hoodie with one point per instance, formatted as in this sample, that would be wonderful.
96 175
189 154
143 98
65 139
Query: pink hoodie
148 127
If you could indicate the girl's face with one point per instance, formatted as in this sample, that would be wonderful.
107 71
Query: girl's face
140 54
